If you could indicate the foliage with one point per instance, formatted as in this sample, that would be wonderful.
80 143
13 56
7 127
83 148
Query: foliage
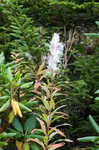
17 102
21 35
48 113
79 82
58 12
94 139
31 98
14 89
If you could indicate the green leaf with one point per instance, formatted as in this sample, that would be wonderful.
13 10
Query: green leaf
97 22
4 97
18 76
2 135
46 117
6 135
2 58
26 85
45 88
9 135
30 123
17 125
40 137
3 144
58 109
0 122
18 135
45 102
22 106
5 106
9 74
97 98
93 35
25 146
31 103
94 124
9 64
97 92
51 103
88 139
35 146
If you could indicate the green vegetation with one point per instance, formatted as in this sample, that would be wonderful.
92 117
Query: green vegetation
48 98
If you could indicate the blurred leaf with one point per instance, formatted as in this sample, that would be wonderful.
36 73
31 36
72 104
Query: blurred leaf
17 125
4 97
5 106
19 145
38 142
89 139
2 135
57 131
0 122
92 35
23 107
94 124
9 74
97 92
6 135
57 118
9 64
31 103
40 69
58 109
52 104
97 22
63 140
42 123
2 58
46 140
25 146
11 117
17 76
30 123
60 132
33 136
9 135
97 98
55 146
45 88
3 144
45 118
26 85
44 101
35 146
18 134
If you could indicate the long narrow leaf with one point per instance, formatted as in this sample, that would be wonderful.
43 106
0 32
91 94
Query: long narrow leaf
57 109
55 146
94 124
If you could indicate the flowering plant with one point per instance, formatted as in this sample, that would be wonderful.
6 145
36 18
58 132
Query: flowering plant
56 51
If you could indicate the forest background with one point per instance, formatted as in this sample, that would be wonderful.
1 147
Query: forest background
26 29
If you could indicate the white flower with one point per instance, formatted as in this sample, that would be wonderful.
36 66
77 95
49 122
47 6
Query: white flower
56 51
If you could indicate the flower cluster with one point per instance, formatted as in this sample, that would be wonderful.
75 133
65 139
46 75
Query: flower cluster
56 51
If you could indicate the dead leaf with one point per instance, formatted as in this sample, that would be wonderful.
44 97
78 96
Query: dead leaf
19 145
55 146
43 127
